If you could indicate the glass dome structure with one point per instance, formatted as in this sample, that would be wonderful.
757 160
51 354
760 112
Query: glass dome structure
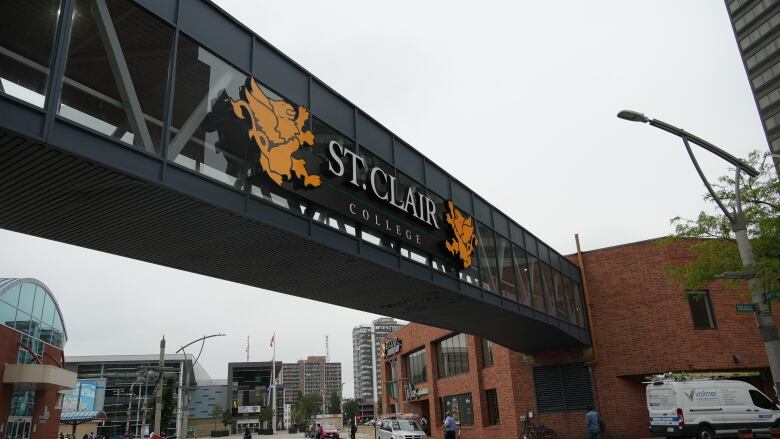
28 306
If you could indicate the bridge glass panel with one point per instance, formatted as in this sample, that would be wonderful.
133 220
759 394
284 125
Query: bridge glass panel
206 136
561 305
26 40
571 301
117 72
549 289
506 268
521 275
535 275
578 300
486 249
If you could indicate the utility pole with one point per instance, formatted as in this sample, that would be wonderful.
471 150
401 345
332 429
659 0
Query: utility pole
373 368
766 326
159 394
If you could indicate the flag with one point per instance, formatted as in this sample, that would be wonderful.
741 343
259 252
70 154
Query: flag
273 338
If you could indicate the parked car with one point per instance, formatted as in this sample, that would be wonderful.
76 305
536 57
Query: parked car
705 408
399 429
329 431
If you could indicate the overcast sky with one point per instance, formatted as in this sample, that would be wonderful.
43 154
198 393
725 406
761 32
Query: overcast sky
515 99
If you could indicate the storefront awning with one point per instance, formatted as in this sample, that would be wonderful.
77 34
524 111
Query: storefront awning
39 374
81 417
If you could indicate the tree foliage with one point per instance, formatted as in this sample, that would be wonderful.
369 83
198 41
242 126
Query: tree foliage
216 413
227 418
308 405
266 415
716 250
168 407
350 407
335 403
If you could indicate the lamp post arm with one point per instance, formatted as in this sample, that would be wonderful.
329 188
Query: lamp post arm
729 215
669 128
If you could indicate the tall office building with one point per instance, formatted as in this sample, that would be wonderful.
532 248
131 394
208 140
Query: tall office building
756 25
312 375
361 355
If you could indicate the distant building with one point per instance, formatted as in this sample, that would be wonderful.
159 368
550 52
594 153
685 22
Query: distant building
249 389
756 25
361 356
204 398
125 379
313 375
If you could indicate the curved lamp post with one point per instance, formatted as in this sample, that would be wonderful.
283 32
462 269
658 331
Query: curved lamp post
766 326
184 412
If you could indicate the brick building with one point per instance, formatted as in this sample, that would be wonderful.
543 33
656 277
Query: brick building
32 336
641 324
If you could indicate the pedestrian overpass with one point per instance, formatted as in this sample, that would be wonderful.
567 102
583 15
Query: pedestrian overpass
167 132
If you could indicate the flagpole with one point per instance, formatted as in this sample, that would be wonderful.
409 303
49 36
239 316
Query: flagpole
273 380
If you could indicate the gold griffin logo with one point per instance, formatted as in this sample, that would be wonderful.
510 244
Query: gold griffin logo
464 240
278 131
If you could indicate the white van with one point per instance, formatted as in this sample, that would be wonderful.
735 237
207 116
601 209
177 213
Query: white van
705 408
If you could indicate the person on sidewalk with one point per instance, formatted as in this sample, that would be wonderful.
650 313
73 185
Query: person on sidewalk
593 423
449 426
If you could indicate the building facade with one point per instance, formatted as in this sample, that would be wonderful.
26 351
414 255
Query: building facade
756 25
205 397
643 324
130 388
365 373
249 389
32 339
312 375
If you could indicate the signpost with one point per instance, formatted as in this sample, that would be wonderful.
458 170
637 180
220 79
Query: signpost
747 307
772 295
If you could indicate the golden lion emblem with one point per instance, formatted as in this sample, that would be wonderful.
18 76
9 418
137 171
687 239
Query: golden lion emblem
464 241
278 131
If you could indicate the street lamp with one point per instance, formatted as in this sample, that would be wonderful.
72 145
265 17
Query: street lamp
766 326
184 413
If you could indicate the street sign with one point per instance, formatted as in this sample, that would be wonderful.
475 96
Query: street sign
747 307
772 295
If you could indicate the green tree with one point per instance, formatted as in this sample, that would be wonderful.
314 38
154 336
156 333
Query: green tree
168 408
335 403
266 415
227 419
350 407
309 405
216 413
716 250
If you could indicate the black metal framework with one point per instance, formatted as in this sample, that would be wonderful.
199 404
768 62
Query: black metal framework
227 40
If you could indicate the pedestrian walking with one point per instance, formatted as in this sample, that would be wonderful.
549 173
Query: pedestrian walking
593 423
353 430
247 433
450 427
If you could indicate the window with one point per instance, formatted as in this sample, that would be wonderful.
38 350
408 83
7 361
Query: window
562 387
460 407
535 279
701 310
506 268
521 274
453 356
416 368
492 406
761 401
26 39
486 249
116 72
487 353
204 137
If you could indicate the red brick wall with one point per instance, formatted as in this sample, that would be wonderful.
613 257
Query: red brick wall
9 351
44 427
642 324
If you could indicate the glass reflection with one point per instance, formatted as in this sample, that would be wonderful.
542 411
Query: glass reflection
521 275
117 72
486 249
506 268
26 40
535 276
206 136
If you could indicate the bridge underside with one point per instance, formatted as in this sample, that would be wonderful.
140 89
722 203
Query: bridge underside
54 194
